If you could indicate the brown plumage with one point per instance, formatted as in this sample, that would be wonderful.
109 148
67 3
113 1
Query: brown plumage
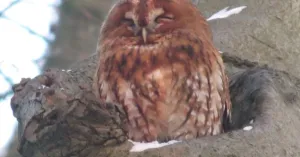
157 59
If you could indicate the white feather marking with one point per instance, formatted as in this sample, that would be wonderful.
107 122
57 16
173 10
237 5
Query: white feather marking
195 86
224 13
157 74
201 119
188 82
139 147
193 113
201 95
216 129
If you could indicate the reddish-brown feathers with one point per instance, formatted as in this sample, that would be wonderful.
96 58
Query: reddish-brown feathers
172 85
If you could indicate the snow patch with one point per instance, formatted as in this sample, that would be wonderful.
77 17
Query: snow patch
139 147
224 13
248 128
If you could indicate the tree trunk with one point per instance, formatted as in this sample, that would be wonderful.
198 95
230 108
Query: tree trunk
59 116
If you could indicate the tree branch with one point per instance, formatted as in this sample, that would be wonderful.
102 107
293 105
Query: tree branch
9 6
28 29
59 116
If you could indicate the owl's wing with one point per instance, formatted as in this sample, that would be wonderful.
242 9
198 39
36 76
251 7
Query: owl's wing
204 100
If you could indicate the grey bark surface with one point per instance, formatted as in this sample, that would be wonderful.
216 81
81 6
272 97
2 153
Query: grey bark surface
267 31
59 116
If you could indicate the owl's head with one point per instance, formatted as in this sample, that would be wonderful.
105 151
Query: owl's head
142 20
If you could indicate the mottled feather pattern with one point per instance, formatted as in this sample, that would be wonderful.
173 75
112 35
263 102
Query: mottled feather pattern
141 77
174 87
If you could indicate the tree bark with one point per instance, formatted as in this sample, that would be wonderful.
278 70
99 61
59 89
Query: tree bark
59 116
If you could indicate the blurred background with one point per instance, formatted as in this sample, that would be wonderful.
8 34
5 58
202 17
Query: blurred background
40 34
36 35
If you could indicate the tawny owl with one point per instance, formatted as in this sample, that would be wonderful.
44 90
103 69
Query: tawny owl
157 59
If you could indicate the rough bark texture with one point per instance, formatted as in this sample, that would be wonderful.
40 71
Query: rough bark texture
59 117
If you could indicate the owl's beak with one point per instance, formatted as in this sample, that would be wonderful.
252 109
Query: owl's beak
144 34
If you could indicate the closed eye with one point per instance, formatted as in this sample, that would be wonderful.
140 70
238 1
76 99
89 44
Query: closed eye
164 18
